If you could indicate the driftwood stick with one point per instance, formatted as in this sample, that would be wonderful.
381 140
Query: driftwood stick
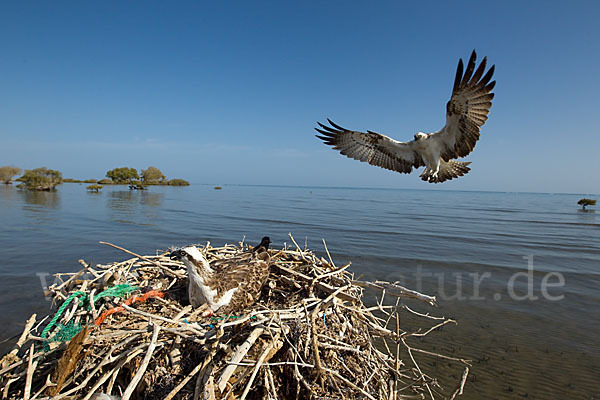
328 255
12 356
396 290
30 368
315 346
184 382
140 372
349 383
7 386
163 268
110 374
275 344
237 357
334 272
296 244
158 317
323 286
209 389
461 385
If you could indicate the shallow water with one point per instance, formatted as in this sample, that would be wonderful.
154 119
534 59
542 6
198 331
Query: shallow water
438 241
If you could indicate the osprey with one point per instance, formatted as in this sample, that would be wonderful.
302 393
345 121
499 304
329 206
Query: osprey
228 285
466 112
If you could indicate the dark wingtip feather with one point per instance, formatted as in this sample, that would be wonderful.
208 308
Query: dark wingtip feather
480 70
329 129
470 68
458 77
490 87
328 134
488 75
336 125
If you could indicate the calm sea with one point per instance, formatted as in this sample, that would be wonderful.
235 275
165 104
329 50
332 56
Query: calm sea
532 335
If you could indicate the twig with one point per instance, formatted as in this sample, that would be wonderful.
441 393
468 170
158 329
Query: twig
7 359
140 372
323 286
461 385
237 357
349 383
328 255
184 382
30 368
165 269
396 290
275 344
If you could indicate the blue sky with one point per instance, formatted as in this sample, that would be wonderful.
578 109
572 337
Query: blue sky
229 92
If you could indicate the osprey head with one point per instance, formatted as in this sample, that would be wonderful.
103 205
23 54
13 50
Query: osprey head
186 253
420 136
193 259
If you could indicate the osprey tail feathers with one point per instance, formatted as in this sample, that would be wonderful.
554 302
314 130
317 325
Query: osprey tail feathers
448 170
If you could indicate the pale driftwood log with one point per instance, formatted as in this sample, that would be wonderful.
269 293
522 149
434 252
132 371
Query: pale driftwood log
241 351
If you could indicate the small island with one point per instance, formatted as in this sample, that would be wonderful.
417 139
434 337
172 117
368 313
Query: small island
585 202
146 177
7 173
40 179
44 179
94 188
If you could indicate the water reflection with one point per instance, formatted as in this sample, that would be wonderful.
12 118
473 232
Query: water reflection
40 198
152 199
135 207
586 216
7 193
128 199
122 200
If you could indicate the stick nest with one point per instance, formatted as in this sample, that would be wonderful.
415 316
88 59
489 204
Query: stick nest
308 336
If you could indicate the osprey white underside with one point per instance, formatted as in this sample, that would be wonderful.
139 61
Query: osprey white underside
430 150
198 291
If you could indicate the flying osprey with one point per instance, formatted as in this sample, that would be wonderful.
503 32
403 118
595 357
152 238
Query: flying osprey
466 112
227 285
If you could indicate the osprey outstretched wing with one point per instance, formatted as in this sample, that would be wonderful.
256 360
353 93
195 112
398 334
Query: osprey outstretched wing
466 112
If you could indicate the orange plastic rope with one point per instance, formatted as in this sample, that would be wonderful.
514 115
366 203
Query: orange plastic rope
128 302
